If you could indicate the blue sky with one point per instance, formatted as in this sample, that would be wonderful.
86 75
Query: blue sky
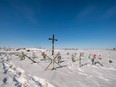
75 23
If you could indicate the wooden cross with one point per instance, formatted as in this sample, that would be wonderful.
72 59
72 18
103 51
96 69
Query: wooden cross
53 39
52 59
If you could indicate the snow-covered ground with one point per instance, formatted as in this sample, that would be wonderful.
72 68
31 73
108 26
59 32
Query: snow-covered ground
23 73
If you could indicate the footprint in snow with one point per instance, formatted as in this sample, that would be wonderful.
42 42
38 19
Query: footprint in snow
4 80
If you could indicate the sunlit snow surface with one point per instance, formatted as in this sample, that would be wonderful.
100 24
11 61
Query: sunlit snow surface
16 73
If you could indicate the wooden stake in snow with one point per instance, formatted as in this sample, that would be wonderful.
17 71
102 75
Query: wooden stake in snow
43 55
52 62
28 57
80 58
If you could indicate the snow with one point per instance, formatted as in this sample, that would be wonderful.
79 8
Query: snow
23 73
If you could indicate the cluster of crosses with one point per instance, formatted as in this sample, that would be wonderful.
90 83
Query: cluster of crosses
53 61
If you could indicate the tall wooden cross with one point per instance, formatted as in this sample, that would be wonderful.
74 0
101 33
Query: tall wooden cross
53 39
54 57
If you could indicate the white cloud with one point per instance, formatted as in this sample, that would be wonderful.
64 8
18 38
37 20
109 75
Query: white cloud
86 12
110 12
24 9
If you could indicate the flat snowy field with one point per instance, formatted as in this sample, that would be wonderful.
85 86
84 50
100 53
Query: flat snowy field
23 73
